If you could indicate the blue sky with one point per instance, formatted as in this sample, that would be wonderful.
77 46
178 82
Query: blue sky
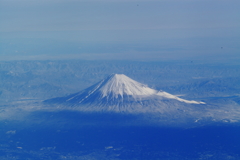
120 29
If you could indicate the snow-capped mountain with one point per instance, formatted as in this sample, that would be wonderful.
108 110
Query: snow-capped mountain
119 93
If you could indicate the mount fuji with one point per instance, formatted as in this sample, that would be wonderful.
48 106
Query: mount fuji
119 93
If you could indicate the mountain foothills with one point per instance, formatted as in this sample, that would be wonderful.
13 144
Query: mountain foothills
119 93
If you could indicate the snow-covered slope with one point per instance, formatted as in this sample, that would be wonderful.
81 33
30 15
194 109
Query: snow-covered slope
121 93
119 84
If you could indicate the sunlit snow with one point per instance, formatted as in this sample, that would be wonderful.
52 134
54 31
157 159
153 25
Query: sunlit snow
119 84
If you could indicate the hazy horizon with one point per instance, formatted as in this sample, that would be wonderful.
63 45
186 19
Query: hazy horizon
120 30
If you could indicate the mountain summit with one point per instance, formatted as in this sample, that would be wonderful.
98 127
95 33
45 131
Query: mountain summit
120 93
120 85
